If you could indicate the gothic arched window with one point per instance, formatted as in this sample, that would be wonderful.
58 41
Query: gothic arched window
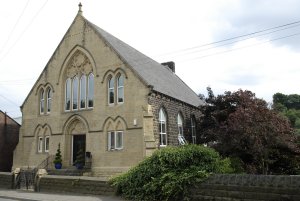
42 102
120 89
75 83
111 91
68 95
90 91
49 99
162 127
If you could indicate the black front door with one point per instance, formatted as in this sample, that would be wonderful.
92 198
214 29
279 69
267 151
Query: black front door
78 143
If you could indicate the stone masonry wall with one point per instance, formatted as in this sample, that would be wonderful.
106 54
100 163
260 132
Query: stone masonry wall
248 188
75 184
172 107
6 180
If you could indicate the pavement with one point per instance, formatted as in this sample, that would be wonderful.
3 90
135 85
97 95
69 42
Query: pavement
22 195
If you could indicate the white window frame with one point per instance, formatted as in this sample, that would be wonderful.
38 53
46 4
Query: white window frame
193 128
40 145
162 121
72 94
47 140
181 138
82 95
116 136
49 100
42 101
111 88
119 87
69 80
90 92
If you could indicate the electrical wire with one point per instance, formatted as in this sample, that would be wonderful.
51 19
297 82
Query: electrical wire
233 38
14 27
22 33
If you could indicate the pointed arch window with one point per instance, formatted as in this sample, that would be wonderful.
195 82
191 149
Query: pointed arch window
42 102
68 95
111 89
90 91
181 139
83 91
193 128
162 127
120 90
49 100
75 93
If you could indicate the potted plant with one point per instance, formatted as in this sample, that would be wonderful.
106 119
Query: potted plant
80 159
58 159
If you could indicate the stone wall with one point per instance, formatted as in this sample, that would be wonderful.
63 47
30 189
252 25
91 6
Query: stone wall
6 180
172 107
248 188
75 184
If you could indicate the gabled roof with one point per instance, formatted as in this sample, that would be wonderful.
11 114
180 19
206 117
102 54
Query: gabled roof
160 77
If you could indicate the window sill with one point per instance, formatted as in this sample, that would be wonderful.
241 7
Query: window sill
121 149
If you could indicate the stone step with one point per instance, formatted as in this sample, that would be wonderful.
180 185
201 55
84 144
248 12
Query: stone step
68 172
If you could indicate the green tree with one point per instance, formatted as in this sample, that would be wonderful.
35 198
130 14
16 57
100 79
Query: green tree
239 125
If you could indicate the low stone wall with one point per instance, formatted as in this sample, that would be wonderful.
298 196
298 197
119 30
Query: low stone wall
248 188
75 184
6 180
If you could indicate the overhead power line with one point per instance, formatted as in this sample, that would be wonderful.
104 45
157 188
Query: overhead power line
14 27
22 33
227 51
237 37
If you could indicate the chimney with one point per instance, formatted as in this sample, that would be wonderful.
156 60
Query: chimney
170 64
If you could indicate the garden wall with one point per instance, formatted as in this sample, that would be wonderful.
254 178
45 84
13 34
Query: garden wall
248 188
216 188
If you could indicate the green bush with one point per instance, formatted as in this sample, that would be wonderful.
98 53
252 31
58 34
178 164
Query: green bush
58 157
169 172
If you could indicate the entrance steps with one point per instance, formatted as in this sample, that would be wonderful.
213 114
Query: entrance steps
69 172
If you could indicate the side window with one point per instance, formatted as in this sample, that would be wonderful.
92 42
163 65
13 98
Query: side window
162 127
42 102
193 128
47 142
49 100
40 144
82 92
75 93
90 94
111 89
115 140
120 91
68 95
181 139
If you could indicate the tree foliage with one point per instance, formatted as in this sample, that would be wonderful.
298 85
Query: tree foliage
242 126
288 106
169 172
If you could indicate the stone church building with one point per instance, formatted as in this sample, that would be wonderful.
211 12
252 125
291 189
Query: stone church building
99 94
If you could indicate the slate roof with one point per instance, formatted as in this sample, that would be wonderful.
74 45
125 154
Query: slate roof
151 72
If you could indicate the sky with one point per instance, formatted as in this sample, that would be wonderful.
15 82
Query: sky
224 44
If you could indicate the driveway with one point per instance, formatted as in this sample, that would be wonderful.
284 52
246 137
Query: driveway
17 195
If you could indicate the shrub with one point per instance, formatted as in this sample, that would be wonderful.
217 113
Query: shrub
169 172
58 157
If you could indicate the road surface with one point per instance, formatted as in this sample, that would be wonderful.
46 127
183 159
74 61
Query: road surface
20 195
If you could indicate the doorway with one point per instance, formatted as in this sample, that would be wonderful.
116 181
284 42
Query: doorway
78 143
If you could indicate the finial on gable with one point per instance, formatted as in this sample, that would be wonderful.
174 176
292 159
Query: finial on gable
80 6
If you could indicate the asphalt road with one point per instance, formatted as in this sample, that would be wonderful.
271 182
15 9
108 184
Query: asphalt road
20 195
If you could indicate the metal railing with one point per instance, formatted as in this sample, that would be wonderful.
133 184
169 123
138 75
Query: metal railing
47 163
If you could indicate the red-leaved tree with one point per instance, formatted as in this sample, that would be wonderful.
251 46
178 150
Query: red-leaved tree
241 126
